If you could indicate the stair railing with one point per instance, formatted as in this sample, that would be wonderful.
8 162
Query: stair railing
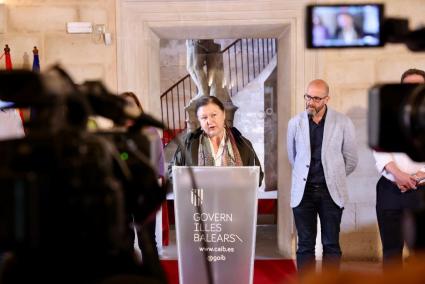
243 61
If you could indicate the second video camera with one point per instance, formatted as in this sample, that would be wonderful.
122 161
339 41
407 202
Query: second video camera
358 25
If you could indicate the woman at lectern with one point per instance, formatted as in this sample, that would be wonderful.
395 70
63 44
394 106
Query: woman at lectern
214 144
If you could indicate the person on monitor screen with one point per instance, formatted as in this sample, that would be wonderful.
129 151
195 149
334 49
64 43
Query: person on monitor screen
214 144
396 190
320 31
346 30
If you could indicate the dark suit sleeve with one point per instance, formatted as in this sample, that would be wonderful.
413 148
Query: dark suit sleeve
253 158
178 160
185 154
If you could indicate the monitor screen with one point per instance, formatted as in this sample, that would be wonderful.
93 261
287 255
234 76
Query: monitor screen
336 26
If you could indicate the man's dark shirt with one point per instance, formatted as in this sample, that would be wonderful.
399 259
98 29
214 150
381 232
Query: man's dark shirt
316 174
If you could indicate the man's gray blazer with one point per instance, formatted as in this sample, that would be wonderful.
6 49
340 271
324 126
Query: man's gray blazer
339 154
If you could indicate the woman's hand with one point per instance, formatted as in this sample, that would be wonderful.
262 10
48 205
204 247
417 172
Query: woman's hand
405 181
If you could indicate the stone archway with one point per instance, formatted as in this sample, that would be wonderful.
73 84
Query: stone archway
141 24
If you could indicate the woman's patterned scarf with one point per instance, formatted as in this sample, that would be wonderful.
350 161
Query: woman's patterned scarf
231 156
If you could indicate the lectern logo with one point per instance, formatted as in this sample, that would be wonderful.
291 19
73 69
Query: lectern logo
197 196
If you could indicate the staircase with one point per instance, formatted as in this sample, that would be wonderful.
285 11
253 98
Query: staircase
243 61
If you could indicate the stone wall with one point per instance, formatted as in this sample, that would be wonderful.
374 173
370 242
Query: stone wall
172 56
42 23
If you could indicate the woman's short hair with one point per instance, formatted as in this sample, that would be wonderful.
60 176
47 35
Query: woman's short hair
206 100
133 97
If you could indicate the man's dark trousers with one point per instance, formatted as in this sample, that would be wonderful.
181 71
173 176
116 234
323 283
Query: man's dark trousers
317 201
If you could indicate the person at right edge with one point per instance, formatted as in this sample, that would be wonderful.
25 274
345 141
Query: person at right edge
322 152
397 190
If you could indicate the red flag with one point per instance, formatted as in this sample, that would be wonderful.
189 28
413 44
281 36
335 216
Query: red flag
9 67
7 57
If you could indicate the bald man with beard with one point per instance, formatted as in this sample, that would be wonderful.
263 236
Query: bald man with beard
322 152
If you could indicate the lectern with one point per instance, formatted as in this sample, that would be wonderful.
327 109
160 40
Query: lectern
216 223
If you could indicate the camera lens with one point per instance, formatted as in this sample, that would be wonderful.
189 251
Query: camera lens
413 117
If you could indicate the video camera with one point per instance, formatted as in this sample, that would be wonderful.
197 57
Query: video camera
358 25
397 119
68 198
